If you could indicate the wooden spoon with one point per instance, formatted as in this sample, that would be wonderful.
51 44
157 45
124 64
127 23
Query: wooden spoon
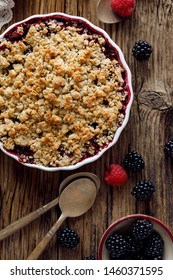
105 12
15 226
75 200
75 176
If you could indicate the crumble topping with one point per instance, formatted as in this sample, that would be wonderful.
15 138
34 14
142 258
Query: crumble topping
62 92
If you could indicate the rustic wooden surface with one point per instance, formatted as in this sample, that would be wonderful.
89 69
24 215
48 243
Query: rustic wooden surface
23 190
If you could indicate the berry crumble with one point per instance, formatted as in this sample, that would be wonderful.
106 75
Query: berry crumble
63 91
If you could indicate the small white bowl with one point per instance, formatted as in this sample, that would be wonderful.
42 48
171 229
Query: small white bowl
123 224
122 61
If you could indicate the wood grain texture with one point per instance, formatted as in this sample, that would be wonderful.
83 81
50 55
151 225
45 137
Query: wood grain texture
23 190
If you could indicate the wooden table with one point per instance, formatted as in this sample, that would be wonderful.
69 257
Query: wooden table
23 189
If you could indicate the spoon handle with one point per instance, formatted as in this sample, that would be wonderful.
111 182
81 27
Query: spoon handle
4 233
44 242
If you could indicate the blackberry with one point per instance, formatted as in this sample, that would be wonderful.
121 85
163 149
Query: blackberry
91 257
117 245
126 256
168 148
68 238
135 246
154 247
141 229
133 162
138 257
143 190
142 242
142 50
157 258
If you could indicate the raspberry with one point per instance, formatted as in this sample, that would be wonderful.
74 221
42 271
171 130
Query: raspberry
116 175
124 8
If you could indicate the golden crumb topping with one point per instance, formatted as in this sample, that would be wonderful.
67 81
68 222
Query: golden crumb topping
61 94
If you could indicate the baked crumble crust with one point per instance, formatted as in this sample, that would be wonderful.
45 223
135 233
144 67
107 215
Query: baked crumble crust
61 96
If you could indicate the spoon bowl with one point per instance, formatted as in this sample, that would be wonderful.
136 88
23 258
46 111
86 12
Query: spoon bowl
79 175
105 12
77 197
27 219
75 200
